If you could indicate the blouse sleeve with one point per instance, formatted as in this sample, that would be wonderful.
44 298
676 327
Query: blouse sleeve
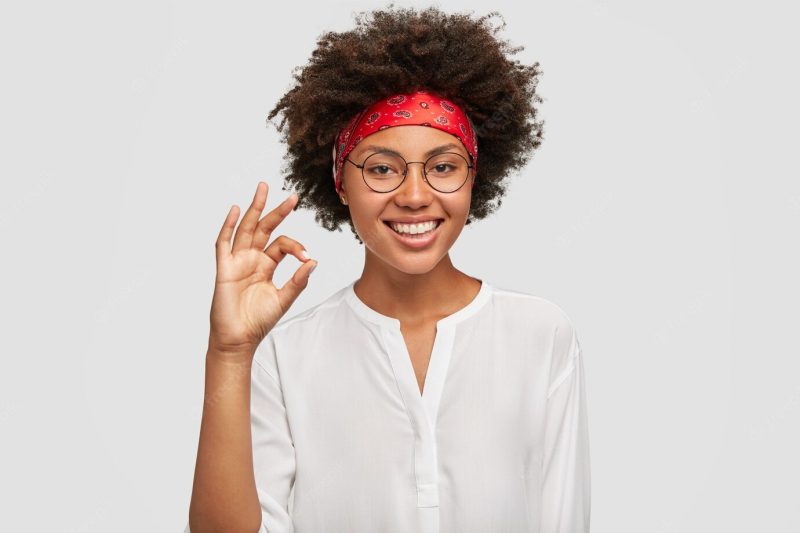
566 490
273 448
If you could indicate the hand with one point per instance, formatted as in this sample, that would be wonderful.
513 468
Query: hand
246 304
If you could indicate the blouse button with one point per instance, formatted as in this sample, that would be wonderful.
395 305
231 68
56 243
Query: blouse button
427 495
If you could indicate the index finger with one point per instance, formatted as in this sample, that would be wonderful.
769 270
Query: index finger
271 221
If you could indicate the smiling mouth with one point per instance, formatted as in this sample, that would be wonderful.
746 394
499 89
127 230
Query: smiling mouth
429 228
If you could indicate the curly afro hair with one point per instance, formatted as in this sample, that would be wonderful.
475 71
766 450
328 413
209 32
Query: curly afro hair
391 51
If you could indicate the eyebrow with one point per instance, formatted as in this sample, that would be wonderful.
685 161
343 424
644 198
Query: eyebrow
386 150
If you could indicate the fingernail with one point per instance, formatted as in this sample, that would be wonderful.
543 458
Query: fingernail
304 254
310 270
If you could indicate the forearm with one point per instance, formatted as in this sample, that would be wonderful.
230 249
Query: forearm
224 497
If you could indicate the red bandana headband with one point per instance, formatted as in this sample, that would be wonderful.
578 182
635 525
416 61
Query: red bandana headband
421 107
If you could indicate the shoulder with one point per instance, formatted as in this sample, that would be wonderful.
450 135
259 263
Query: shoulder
547 324
533 310
303 324
313 316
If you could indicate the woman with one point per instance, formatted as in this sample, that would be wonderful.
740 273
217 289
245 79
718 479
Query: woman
417 397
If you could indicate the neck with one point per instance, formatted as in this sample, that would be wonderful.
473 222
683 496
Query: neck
415 298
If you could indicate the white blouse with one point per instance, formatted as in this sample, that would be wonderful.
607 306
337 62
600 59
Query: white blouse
343 441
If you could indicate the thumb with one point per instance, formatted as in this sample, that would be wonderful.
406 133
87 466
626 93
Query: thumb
296 284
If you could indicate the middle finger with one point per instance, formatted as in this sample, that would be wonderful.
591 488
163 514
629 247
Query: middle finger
271 221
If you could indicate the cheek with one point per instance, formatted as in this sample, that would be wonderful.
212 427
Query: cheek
364 211
366 219
458 208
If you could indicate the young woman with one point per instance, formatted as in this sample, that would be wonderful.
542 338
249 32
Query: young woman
417 398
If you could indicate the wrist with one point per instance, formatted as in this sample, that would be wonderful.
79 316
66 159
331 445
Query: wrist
232 356
218 347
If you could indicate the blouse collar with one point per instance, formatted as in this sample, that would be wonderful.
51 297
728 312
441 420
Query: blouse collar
371 315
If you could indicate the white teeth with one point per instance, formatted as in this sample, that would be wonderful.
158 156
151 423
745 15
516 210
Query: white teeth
414 229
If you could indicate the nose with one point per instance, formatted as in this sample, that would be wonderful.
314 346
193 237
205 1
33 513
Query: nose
414 191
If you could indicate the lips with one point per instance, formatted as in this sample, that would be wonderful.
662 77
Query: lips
416 241
412 221
390 222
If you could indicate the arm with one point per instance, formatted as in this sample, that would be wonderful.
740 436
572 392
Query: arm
224 495
566 491
269 461
245 307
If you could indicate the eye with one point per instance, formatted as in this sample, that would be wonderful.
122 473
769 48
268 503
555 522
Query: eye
381 170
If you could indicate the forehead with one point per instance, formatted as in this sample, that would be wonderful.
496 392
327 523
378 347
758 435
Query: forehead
412 140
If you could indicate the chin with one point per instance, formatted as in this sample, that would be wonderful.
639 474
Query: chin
411 261
412 266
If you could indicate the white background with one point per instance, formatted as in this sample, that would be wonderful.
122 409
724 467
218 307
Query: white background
661 213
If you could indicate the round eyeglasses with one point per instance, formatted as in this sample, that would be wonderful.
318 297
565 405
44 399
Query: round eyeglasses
384 172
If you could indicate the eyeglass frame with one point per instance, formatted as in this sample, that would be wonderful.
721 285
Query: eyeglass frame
405 174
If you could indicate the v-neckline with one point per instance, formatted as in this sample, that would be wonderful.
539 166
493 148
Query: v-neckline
421 407
370 314
400 357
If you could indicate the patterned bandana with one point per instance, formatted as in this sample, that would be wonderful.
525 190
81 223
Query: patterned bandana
420 107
